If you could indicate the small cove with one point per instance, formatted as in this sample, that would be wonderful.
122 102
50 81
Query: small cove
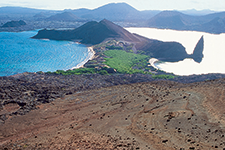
214 50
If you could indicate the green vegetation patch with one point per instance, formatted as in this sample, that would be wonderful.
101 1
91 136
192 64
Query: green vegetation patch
80 71
125 62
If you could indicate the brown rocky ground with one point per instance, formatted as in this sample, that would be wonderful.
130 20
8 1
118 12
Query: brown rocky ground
24 92
160 115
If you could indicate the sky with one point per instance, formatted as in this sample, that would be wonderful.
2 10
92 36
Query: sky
217 5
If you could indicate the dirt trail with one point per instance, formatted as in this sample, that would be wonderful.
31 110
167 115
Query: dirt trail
158 115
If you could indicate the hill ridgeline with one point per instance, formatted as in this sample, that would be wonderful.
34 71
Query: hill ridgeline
93 33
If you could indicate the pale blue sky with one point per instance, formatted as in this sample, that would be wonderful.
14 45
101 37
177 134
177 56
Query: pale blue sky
218 5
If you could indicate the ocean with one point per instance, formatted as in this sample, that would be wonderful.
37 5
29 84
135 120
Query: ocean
19 53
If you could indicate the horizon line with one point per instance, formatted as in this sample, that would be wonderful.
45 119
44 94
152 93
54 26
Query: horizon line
40 8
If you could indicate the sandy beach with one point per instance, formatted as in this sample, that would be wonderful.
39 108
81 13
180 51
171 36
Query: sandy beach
91 54
152 62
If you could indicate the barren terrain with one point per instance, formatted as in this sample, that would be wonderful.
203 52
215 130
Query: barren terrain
160 115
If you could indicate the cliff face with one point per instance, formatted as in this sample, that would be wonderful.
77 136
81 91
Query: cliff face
198 51
163 51
169 51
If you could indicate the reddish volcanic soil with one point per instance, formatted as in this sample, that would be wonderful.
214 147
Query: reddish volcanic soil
159 115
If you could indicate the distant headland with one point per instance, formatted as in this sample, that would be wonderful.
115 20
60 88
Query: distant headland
93 33
14 24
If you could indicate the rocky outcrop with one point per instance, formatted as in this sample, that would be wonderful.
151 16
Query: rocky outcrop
198 51
163 51
14 24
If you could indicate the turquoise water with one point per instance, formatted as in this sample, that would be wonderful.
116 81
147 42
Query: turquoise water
19 53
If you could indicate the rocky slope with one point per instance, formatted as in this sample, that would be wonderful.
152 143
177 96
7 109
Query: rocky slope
90 33
198 51
28 90
154 115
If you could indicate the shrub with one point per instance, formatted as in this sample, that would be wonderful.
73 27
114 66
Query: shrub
123 61
103 72
163 76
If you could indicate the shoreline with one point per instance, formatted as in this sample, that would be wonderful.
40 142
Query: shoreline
152 62
91 55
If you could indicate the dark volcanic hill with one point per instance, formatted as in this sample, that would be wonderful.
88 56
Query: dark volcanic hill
195 12
40 15
96 32
22 13
19 10
14 24
176 20
216 25
65 16
90 33
212 23
115 12
167 19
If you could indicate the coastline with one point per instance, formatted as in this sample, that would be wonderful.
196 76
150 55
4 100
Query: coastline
152 62
91 55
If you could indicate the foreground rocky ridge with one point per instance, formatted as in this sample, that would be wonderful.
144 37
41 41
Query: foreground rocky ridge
150 115
24 92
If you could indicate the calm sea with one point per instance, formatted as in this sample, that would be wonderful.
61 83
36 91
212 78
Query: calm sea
214 50
19 53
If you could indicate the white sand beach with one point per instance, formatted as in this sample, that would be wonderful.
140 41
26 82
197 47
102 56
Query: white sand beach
91 54
152 62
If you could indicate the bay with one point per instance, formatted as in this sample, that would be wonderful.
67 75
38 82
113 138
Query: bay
214 50
19 53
